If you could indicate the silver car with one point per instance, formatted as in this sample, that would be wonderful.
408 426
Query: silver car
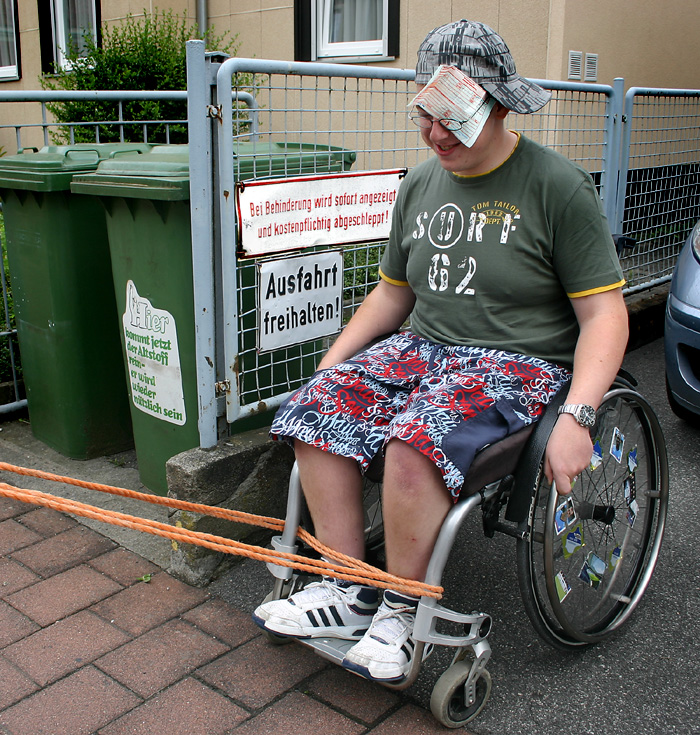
682 332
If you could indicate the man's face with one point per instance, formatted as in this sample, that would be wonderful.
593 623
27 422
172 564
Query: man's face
456 157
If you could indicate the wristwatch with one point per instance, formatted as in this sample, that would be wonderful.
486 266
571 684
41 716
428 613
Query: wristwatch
584 414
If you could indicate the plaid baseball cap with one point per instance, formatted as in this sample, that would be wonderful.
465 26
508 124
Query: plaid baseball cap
483 55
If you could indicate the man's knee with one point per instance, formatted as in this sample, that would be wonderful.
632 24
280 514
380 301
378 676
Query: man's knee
407 466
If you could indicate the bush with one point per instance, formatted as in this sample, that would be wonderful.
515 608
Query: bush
144 53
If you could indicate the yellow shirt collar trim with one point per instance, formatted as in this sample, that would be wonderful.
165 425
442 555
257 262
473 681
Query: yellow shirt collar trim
486 173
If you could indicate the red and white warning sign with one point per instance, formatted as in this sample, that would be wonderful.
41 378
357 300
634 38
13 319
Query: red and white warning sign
290 214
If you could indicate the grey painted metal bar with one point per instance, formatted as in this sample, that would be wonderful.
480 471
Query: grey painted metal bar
611 173
201 202
46 95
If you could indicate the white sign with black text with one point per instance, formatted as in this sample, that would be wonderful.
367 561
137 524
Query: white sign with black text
289 214
300 299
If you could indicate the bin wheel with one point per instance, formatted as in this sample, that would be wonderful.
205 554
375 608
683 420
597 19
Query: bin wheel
448 700
276 640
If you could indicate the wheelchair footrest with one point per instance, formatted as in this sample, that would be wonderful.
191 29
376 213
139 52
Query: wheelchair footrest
430 613
332 649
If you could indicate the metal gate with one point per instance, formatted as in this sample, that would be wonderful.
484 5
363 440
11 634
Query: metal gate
355 108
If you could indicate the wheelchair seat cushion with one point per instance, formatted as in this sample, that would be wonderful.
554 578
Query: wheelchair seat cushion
491 463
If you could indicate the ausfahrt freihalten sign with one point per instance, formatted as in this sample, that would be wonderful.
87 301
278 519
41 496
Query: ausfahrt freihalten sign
301 299
276 215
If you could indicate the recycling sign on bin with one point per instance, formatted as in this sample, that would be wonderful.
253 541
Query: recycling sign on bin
153 359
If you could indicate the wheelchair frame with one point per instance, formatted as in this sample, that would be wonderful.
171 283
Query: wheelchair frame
602 586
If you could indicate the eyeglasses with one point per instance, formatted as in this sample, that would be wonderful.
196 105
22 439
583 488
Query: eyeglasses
423 120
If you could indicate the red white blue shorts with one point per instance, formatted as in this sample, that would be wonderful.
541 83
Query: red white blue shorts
447 402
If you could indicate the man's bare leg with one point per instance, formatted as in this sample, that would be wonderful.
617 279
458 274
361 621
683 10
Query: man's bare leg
333 490
415 502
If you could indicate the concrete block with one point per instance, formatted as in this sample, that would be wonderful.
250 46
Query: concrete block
246 472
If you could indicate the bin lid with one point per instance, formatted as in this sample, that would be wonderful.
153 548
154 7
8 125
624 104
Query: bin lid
163 172
52 167
270 159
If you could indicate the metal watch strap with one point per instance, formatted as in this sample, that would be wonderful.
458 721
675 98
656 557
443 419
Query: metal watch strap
576 410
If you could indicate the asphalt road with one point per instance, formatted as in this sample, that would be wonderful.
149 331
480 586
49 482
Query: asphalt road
645 679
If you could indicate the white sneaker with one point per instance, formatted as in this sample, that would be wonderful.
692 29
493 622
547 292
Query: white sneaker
320 610
385 652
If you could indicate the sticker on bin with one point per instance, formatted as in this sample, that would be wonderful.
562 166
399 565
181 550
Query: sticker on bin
276 215
153 359
301 299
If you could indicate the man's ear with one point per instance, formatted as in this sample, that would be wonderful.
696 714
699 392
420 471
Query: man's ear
500 111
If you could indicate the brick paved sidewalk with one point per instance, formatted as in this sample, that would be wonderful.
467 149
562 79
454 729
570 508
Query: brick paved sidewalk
88 646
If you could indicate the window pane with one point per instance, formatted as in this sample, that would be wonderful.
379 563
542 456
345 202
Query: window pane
79 19
8 50
356 20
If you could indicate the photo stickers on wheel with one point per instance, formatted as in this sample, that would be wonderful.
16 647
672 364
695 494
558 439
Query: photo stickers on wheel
562 586
597 456
592 570
632 513
614 557
632 460
572 542
564 516
617 444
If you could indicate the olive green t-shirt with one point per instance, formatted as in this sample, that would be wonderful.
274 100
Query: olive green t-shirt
494 259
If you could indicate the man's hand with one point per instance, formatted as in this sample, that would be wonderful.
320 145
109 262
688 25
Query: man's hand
569 451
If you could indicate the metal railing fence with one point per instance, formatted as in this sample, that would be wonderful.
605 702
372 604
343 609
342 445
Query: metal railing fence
658 197
641 150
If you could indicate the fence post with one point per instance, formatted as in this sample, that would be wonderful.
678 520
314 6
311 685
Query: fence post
626 140
613 164
201 223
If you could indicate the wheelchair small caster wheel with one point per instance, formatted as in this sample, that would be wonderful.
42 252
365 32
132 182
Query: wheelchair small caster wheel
448 700
276 640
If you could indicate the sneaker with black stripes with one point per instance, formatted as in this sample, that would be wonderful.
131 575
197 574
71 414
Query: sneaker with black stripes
385 652
330 608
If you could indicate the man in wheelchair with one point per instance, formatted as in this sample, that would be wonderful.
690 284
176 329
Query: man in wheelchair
502 258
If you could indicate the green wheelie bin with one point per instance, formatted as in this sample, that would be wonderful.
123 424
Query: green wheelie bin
61 278
148 218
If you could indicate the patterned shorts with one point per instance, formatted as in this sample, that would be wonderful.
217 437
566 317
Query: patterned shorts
447 402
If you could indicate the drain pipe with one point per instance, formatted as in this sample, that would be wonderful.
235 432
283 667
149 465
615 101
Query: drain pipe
202 16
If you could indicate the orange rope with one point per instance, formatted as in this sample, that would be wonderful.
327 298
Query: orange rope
351 569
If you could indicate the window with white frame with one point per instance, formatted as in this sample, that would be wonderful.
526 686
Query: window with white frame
346 29
9 41
72 21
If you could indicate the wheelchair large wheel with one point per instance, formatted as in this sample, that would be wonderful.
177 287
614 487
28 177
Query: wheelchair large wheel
585 563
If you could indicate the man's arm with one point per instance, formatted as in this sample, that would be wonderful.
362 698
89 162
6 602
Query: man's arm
383 311
600 348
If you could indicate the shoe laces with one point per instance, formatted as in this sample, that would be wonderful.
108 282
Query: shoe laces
318 591
391 623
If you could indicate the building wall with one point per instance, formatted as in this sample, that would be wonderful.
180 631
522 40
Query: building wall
650 44
633 38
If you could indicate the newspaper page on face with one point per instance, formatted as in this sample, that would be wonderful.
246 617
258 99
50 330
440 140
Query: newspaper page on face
452 95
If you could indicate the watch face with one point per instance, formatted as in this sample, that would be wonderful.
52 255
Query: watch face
586 416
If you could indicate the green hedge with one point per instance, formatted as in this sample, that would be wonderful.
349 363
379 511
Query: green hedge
141 53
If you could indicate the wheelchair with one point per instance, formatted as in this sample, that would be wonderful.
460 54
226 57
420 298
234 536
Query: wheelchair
583 560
